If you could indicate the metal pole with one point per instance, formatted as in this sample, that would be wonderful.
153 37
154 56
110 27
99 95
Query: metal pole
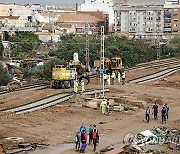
102 55
87 45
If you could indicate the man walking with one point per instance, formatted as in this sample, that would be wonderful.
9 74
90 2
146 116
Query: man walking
105 76
155 110
83 128
103 106
95 139
77 141
107 108
83 141
163 112
113 76
119 77
167 111
97 132
109 79
75 86
123 78
147 114
90 134
82 86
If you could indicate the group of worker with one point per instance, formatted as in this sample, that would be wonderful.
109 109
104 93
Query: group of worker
105 107
76 84
110 79
81 138
164 113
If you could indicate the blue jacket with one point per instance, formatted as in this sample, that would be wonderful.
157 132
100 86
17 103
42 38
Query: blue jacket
82 128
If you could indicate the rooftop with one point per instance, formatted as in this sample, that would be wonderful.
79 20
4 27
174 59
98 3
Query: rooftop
77 18
9 17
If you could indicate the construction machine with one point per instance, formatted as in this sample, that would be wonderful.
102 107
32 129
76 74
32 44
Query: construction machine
110 64
82 70
63 76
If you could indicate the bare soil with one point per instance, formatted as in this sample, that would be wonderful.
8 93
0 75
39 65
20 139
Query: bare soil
55 127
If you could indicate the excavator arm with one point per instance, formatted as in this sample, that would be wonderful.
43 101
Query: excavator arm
83 71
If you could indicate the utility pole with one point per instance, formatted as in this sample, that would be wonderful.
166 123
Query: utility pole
102 56
158 50
87 46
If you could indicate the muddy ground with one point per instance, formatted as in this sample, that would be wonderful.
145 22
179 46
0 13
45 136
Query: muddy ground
56 127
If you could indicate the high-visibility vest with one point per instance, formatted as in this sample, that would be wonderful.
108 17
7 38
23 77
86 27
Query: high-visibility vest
113 75
119 77
123 75
82 86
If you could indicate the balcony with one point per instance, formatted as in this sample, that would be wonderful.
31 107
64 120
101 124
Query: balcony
167 29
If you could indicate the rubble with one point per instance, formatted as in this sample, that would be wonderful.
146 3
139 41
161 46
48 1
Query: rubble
25 147
11 142
145 140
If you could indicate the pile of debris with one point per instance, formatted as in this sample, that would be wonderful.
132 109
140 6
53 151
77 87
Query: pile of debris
146 140
11 145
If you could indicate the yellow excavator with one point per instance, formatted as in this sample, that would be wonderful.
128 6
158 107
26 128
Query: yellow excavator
82 70
63 76
110 64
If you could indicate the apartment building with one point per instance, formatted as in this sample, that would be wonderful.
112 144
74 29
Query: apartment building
141 20
171 18
16 18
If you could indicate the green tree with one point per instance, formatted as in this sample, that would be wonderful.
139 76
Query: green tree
25 42
5 77
171 49
45 72
1 49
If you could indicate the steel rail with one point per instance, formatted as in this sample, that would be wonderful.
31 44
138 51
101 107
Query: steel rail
40 86
48 102
155 65
155 76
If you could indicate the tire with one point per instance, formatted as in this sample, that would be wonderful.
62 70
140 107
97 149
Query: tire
66 84
72 83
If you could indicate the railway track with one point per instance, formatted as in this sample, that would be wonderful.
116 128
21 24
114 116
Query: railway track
150 65
32 87
156 64
48 102
156 76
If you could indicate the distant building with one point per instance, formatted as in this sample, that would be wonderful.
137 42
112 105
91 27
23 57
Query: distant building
9 20
100 5
171 19
83 23
140 2
140 20
101 15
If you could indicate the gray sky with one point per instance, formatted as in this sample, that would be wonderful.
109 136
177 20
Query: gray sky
48 2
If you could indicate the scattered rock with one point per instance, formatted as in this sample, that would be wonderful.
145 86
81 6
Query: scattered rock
102 122
59 108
